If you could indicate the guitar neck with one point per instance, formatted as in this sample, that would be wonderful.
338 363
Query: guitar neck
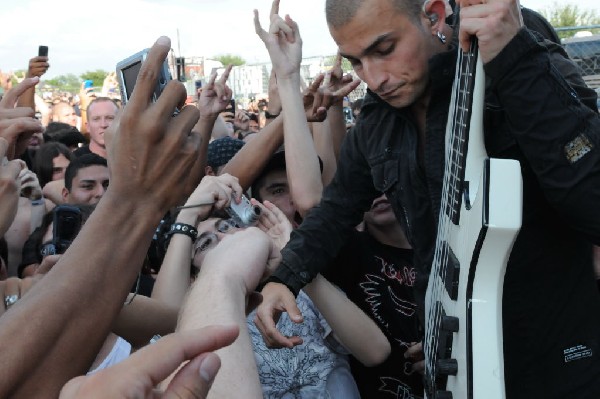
457 135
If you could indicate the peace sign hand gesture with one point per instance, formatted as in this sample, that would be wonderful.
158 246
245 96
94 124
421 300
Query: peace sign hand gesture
215 95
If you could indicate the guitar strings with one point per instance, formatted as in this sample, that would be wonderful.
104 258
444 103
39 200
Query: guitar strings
452 185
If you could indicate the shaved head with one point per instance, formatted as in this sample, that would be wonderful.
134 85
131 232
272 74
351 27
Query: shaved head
340 12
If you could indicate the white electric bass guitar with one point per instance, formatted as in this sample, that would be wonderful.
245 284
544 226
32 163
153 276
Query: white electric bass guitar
480 216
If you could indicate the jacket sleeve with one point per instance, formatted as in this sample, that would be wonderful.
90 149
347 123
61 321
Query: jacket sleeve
327 226
551 114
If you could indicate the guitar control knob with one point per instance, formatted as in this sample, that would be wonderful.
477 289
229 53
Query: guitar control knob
447 367
443 395
450 323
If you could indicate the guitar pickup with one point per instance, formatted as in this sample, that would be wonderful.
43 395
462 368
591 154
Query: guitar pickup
450 274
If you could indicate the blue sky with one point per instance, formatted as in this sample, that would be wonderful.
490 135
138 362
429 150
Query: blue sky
84 35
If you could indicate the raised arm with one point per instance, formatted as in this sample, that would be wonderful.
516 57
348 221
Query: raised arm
76 305
173 280
219 297
37 67
18 124
9 187
284 44
249 161
351 326
213 100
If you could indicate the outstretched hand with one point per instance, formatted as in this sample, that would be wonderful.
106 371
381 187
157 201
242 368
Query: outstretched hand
277 298
283 42
137 376
327 90
215 95
154 153
273 222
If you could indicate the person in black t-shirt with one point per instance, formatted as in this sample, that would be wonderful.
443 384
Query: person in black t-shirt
378 276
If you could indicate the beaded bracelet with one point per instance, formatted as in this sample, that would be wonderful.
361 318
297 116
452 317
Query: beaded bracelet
185 229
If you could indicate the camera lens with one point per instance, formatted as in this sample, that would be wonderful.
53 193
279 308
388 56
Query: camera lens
251 215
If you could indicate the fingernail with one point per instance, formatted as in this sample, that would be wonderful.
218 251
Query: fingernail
209 367
164 41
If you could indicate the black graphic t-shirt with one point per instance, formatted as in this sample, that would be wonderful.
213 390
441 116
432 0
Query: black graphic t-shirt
379 279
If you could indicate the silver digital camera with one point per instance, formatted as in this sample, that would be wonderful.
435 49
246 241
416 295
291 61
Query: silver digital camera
243 214
128 70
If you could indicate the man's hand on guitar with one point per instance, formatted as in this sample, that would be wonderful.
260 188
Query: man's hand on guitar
277 298
494 22
415 354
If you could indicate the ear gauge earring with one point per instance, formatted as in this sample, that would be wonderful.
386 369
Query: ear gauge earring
433 18
441 36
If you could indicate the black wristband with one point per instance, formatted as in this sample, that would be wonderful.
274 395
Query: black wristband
185 229
270 116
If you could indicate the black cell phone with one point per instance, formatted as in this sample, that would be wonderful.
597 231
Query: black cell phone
43 51
232 102
128 70
66 226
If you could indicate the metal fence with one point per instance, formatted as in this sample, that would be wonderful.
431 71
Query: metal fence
584 48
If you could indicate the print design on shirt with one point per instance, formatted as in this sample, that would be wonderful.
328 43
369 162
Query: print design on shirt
396 387
378 288
299 372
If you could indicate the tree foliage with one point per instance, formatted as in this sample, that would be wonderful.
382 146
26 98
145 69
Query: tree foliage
69 82
346 66
96 76
570 15
227 59
20 73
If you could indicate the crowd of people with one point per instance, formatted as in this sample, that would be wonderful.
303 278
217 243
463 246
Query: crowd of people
279 251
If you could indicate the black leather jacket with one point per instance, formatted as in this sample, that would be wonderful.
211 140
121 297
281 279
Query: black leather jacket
532 115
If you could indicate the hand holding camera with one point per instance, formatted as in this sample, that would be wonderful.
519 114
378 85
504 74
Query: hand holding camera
213 192
145 134
38 65
244 213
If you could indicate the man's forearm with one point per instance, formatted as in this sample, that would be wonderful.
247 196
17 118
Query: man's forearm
143 318
27 98
73 325
249 161
337 124
326 227
205 126
9 198
215 300
302 163
173 279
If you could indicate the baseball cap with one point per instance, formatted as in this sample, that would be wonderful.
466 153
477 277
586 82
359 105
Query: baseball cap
221 150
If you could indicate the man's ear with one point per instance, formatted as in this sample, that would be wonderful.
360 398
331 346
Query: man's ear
65 195
208 171
435 11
